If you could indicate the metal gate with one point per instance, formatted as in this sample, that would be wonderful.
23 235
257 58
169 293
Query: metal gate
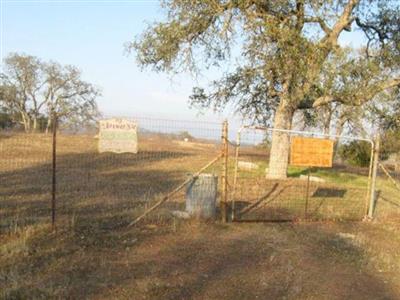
341 192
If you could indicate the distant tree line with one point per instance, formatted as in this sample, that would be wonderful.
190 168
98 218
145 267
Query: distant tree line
34 92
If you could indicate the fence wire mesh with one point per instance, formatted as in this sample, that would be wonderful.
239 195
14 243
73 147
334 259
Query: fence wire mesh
312 193
387 204
25 179
110 189
104 188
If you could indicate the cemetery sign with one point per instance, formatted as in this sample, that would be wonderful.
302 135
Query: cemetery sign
118 135
311 152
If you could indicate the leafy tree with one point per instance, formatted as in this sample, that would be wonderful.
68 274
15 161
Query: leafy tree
356 153
36 91
384 112
391 146
19 85
6 120
67 96
334 117
283 47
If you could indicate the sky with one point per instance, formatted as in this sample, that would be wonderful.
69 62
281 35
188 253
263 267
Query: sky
91 35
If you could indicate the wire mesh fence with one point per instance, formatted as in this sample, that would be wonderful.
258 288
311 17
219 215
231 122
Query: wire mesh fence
25 179
308 191
388 189
111 189
107 188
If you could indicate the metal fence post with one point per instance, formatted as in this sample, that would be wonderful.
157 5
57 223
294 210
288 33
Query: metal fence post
224 175
371 165
307 194
235 174
54 173
374 177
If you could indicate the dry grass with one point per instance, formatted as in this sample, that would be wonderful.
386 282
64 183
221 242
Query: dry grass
343 194
95 255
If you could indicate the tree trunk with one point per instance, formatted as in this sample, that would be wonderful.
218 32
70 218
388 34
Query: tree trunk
339 131
327 122
48 126
26 121
34 123
279 156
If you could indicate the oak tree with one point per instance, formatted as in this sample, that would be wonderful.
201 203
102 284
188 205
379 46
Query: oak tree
31 89
281 49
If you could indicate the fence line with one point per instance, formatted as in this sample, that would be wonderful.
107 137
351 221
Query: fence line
176 190
78 186
279 200
396 184
92 185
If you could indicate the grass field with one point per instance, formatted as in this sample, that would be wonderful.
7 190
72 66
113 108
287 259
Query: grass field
94 254
342 193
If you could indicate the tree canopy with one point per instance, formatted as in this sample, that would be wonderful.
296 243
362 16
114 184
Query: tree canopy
285 52
31 90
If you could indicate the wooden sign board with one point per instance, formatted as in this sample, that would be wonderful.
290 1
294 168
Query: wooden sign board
311 152
118 136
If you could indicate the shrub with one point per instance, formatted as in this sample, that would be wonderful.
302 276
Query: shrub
6 121
356 153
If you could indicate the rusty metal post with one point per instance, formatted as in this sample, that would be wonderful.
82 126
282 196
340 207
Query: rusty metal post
307 194
235 175
374 177
54 173
224 175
